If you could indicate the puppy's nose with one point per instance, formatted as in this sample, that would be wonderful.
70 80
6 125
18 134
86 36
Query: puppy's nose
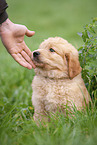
36 53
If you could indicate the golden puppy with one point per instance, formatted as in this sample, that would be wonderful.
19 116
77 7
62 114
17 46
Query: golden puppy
58 79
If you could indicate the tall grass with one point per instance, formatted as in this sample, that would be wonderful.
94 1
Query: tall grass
17 127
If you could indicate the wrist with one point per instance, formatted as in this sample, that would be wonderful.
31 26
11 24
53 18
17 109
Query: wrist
6 25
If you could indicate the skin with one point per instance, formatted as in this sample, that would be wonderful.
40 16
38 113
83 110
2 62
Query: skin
12 36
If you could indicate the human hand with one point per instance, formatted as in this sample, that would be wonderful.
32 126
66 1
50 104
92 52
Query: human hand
12 36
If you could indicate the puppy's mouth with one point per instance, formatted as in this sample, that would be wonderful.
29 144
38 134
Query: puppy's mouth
36 59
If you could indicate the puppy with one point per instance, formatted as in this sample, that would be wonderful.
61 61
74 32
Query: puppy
58 81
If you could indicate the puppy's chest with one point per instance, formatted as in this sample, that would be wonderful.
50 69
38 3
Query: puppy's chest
50 89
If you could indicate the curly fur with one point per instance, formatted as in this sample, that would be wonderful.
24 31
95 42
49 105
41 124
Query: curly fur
58 79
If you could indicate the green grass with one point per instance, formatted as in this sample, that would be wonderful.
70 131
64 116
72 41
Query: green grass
48 18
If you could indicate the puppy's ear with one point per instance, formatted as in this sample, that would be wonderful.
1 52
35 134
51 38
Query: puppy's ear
73 65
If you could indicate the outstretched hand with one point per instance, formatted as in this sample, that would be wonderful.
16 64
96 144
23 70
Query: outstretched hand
12 36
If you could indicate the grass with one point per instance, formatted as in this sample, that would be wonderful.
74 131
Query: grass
48 18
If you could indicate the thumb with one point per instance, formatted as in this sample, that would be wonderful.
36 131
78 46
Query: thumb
29 33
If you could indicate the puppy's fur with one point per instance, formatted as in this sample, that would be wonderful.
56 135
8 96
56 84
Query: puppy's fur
58 79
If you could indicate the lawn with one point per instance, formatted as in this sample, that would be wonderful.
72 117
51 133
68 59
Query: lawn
64 18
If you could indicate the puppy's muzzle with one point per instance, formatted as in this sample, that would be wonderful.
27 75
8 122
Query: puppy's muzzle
36 54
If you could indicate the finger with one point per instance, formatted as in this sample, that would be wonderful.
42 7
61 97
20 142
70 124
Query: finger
18 57
26 49
27 58
29 33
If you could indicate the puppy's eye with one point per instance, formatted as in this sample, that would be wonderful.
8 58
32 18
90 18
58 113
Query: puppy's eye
52 50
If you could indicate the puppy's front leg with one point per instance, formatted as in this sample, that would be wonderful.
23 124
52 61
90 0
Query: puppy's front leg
39 112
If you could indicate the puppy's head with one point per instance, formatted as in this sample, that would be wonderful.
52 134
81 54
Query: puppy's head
57 55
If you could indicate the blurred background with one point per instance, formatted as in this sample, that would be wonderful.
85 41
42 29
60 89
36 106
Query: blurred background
64 18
